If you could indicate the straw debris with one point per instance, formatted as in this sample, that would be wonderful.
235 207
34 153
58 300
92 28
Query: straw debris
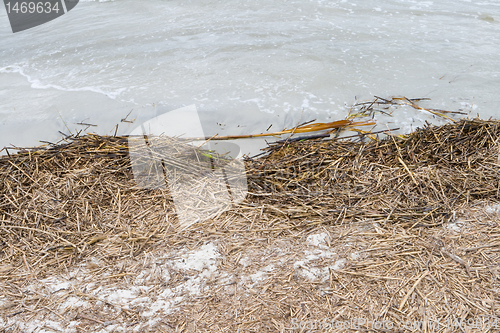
399 230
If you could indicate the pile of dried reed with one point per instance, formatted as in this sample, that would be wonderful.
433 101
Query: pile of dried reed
418 179
401 240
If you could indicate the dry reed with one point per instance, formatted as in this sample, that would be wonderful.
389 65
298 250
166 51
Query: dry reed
402 237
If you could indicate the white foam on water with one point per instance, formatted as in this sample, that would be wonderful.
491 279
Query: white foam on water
38 84
302 60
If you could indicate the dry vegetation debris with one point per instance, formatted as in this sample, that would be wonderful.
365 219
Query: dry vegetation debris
391 230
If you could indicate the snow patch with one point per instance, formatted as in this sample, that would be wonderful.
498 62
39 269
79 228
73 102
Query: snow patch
205 257
455 226
319 240
492 209
74 302
261 275
355 255
245 261
306 267
203 260
339 264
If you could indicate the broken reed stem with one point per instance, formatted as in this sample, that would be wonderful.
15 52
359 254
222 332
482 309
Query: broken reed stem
40 187
69 205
